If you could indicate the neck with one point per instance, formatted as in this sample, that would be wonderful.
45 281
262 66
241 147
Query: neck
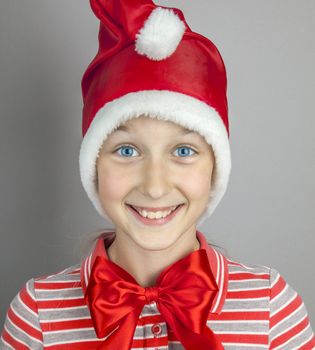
146 265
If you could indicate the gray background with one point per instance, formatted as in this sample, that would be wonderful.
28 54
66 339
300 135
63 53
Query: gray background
267 214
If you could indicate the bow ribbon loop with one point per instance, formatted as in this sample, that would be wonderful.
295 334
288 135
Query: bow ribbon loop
184 294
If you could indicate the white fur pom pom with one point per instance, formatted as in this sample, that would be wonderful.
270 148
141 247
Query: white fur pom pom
159 37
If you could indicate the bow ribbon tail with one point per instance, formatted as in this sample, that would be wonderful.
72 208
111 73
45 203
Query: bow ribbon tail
191 340
122 337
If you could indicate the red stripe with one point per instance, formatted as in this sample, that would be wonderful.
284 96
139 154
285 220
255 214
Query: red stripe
277 288
66 325
24 326
235 338
289 334
16 345
310 345
149 342
248 294
248 276
28 300
57 285
86 345
285 311
60 303
240 315
150 319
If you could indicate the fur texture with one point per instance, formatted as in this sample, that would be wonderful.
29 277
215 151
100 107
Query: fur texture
160 35
164 105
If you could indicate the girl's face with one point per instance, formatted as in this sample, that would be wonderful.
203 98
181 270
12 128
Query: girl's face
153 163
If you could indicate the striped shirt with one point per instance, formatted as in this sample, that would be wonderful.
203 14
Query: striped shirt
254 309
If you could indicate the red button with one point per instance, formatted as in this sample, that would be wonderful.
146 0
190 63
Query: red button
156 329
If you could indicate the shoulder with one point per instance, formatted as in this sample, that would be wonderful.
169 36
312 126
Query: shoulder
61 285
235 267
22 328
28 296
69 274
289 325
249 277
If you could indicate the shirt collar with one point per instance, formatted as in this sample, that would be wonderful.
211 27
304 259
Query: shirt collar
217 261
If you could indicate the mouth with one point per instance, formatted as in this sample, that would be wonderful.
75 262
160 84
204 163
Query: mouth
151 219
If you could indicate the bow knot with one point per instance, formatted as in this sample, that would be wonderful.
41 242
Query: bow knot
184 293
151 294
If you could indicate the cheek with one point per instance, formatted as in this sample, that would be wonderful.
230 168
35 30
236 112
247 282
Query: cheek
112 183
197 182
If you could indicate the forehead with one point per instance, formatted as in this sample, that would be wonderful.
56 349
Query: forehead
128 129
129 125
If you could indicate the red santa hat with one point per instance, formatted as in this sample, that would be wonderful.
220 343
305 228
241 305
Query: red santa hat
151 63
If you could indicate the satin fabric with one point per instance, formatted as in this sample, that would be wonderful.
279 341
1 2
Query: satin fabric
196 68
184 293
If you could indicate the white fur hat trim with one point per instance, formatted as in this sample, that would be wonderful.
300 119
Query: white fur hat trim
187 111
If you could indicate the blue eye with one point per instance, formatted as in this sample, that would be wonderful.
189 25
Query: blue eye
126 147
185 148
130 149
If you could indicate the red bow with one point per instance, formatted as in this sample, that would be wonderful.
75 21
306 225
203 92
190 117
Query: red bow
184 293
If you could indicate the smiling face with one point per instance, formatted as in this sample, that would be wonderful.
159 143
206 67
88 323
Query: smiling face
154 163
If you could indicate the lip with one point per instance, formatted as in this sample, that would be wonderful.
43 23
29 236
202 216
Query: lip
155 222
154 209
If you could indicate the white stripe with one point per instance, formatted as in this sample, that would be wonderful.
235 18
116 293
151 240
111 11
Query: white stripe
58 289
18 315
247 272
66 319
30 292
220 265
247 289
22 331
43 278
64 308
244 310
86 273
292 338
279 294
248 299
19 341
246 344
308 339
241 332
89 266
58 281
238 321
247 267
149 314
248 280
71 341
16 339
25 306
275 281
65 331
284 319
284 305
7 344
61 298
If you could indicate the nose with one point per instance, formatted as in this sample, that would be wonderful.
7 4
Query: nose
156 178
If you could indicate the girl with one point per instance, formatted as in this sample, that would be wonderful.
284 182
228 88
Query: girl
155 89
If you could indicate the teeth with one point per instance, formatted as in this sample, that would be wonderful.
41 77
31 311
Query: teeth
156 215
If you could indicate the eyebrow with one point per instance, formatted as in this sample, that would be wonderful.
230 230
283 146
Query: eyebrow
126 129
